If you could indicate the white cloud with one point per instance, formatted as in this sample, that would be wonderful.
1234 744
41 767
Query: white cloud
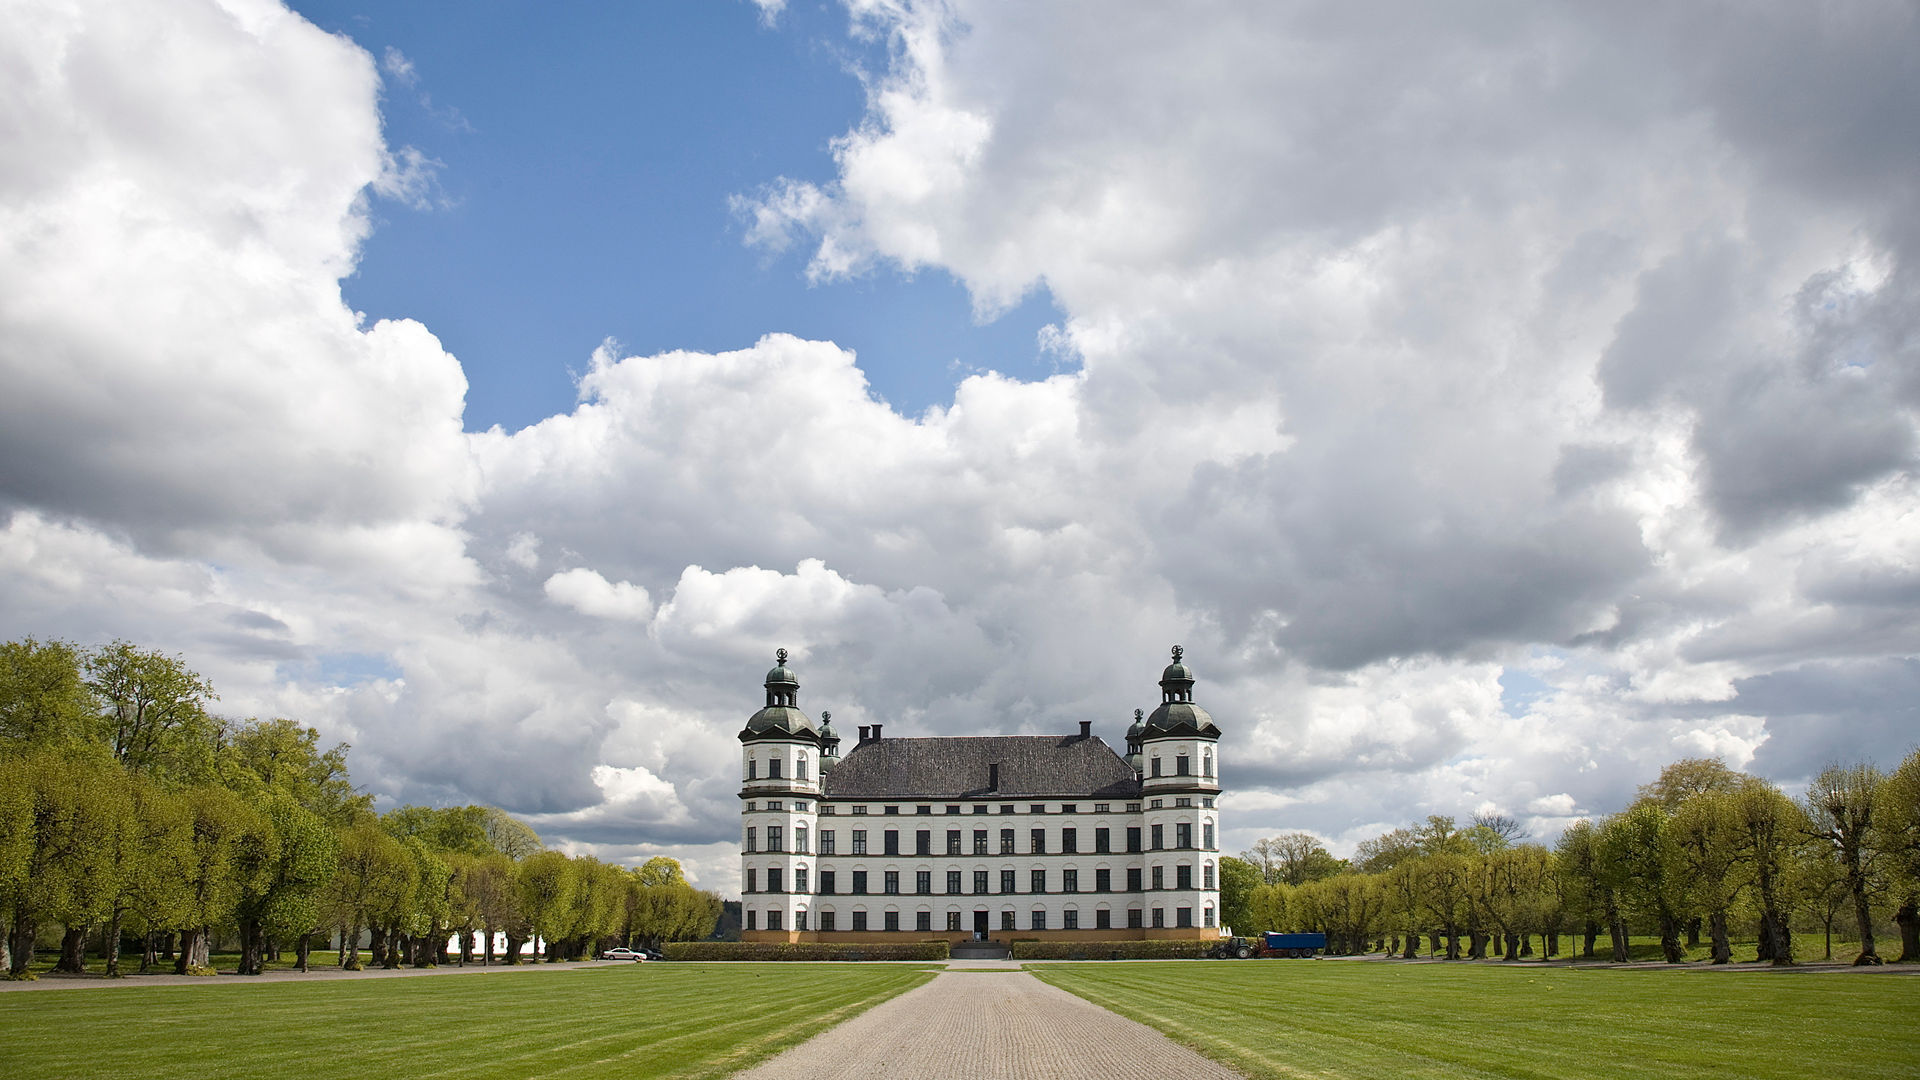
587 592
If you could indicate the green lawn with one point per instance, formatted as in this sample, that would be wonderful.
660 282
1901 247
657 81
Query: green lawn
626 1020
1279 1018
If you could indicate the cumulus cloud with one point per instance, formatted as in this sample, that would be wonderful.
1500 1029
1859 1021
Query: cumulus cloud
1402 355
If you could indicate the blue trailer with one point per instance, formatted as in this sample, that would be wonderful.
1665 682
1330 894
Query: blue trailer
1294 945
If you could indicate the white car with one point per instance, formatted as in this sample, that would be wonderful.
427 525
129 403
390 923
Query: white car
623 954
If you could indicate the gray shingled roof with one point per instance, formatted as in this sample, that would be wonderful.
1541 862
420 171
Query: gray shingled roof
957 768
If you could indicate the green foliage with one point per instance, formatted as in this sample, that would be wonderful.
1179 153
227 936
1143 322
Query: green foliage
1238 879
156 717
509 835
1111 950
1293 859
44 699
774 950
452 828
280 755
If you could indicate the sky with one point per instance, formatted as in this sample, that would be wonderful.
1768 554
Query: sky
1498 401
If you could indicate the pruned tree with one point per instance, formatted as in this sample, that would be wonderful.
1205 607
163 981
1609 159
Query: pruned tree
1637 856
1771 828
1840 801
1293 858
156 712
1897 817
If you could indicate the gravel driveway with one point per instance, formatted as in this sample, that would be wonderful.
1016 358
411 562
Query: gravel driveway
989 1025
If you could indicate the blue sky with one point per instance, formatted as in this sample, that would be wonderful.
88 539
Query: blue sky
588 152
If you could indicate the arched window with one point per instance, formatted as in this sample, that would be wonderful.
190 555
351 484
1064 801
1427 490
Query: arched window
1206 876
753 769
800 768
1206 764
1207 915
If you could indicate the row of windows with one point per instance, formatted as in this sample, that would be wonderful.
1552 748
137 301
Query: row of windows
774 767
923 920
1036 840
1183 765
1008 808
1009 879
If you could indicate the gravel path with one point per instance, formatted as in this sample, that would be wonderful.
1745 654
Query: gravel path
989 1025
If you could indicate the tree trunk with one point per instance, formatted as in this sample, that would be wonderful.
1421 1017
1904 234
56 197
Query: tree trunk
20 943
466 946
73 950
1908 919
1551 941
302 949
396 943
1722 942
1592 936
489 945
1693 932
1433 945
150 952
1413 947
513 949
251 947
1864 917
1617 928
1670 940
377 947
113 946
350 949
194 949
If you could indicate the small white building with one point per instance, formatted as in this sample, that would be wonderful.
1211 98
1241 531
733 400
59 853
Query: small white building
1051 837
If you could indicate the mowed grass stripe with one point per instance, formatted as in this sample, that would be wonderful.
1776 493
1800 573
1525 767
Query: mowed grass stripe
636 1021
1344 1019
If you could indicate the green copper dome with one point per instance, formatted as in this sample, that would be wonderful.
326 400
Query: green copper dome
781 716
1177 714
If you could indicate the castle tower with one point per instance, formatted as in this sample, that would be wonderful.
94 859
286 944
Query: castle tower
1180 787
782 755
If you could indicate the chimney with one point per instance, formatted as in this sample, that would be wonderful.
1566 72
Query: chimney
876 733
1086 729
993 777
863 732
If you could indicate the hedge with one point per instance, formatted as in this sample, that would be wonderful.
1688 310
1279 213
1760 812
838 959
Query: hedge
1111 950
811 950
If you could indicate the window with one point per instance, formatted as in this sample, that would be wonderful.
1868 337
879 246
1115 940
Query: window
890 882
1156 766
1208 921
923 921
892 923
979 841
1156 804
1159 877
953 841
775 805
953 920
1102 841
773 881
859 810
859 841
1133 879
1103 919
1069 881
1133 918
1006 841
1039 881
800 881
1206 769
1159 837
753 920
1072 917
753 806
1182 765
1183 876
1069 840
1006 881
923 809
892 841
773 773
773 920
1182 803
1039 841
1133 808
953 882
859 921
1069 808
1102 808
1006 920
980 808
800 770
1006 808
953 809
826 810
826 883
800 839
775 842
826 922
1103 880
859 883
893 810
923 883
752 877
751 831
1133 838
923 842
1037 808
799 806
1039 918
826 842
1159 917
1206 836
1183 916
1206 876
1183 834
979 882
1206 801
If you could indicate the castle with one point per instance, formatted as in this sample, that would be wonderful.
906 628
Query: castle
1051 837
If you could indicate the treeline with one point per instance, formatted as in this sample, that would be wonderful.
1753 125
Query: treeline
128 810
1701 850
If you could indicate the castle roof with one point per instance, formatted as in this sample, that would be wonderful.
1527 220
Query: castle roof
962 767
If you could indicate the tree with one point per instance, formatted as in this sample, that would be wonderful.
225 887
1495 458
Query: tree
1708 838
1841 803
1588 886
1448 897
1637 852
1386 851
78 811
44 700
1404 885
491 886
226 834
546 883
1689 777
290 862
1770 830
374 874
1293 858
510 836
1237 882
1508 829
1439 837
452 828
156 719
1898 820
282 755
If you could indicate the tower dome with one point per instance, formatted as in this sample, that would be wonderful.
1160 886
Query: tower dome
781 716
1177 714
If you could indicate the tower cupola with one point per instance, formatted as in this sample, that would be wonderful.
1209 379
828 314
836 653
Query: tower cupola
1177 714
781 717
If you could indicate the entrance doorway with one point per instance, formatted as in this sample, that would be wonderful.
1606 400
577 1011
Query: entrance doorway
979 926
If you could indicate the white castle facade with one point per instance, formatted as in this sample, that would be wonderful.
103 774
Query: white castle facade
980 837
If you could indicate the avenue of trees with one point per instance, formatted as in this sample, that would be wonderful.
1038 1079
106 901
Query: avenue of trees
1704 854
134 819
